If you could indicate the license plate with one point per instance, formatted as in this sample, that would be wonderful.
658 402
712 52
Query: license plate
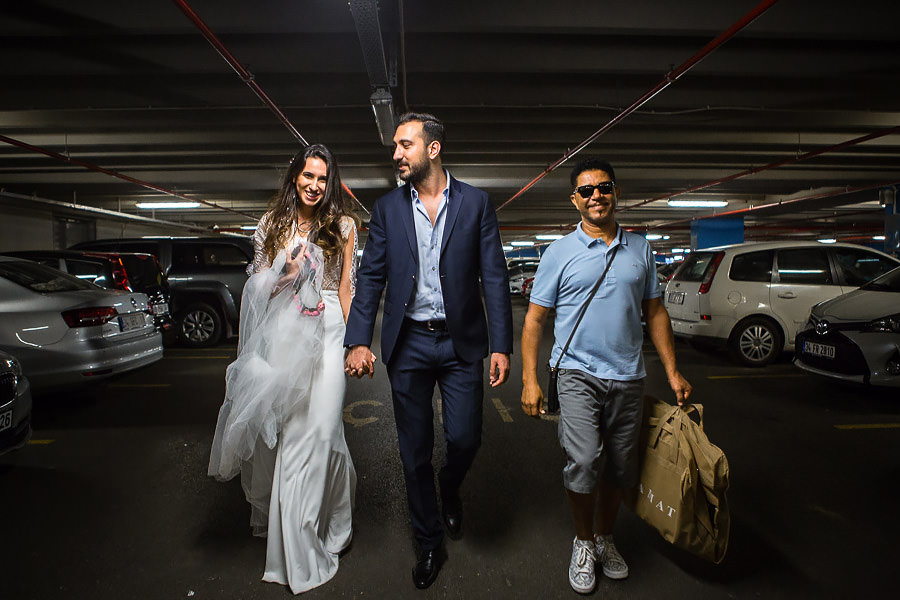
159 309
5 420
676 297
131 321
816 349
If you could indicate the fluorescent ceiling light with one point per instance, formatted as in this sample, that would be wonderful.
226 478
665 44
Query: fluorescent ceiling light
523 243
507 248
665 237
828 241
248 227
697 203
654 236
878 238
548 236
677 250
167 204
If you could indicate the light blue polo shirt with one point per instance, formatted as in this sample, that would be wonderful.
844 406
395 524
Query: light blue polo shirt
607 343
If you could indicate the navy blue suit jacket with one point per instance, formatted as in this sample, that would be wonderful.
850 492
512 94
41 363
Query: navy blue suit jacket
471 248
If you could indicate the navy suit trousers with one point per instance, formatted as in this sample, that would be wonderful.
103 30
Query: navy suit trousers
422 358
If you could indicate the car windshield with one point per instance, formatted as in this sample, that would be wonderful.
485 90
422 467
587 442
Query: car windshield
40 278
695 266
889 282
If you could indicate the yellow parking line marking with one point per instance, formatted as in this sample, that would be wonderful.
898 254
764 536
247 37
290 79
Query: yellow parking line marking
869 426
139 385
194 357
40 442
504 412
773 375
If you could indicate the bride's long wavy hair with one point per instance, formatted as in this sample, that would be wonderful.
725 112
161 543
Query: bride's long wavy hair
328 212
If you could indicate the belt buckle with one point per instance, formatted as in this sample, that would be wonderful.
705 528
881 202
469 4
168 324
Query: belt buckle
429 325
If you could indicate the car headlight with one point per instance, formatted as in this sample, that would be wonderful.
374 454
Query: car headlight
14 365
890 324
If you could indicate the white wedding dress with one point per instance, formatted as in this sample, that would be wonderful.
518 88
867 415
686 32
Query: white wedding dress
280 425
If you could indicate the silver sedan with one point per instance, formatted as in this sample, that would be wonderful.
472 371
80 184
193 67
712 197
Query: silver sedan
66 331
15 405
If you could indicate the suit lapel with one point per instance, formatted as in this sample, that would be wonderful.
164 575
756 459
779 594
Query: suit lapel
406 215
453 205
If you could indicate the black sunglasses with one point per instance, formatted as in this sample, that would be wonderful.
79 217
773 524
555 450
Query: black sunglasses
604 187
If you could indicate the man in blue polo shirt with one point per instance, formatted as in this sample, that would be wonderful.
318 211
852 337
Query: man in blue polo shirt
601 378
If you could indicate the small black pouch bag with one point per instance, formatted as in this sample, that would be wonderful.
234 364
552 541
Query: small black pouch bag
552 391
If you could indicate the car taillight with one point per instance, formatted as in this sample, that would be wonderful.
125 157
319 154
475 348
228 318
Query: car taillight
120 277
89 317
711 272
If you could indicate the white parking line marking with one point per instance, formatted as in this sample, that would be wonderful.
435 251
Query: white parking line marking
504 412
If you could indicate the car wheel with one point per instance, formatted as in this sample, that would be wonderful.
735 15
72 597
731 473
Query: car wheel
756 342
200 325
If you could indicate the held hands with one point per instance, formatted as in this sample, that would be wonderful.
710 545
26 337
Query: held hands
680 386
360 361
499 368
532 399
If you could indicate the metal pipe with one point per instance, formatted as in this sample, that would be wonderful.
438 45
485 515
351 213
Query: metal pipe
116 174
774 165
743 211
248 78
670 78
102 212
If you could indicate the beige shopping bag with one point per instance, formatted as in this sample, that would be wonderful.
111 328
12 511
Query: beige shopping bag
683 481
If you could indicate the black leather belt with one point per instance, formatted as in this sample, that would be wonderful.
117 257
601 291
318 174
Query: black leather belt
430 325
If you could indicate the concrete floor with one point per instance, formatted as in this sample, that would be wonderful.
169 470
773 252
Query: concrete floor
111 500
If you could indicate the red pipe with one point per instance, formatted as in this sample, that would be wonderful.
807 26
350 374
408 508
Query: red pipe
742 211
116 174
780 163
668 80
248 78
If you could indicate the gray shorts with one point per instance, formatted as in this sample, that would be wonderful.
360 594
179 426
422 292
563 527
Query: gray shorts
599 422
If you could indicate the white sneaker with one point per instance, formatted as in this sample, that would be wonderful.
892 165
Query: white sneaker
581 568
609 558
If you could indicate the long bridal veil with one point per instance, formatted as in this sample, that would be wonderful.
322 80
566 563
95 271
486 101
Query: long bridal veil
279 350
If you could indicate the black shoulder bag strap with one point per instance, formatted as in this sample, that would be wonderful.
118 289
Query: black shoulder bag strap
552 393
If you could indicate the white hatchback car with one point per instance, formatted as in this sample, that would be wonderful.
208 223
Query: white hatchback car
755 297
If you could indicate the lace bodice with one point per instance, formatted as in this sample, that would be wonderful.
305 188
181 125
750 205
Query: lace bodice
333 264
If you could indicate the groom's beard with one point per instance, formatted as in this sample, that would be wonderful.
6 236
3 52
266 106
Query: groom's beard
416 173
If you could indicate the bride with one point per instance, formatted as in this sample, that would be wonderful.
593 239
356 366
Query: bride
280 425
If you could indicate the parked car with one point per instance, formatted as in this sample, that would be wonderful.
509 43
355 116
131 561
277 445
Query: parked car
127 271
664 272
856 336
754 297
526 286
206 275
15 405
519 273
67 331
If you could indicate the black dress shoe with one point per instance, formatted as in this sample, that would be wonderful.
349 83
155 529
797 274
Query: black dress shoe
427 567
453 517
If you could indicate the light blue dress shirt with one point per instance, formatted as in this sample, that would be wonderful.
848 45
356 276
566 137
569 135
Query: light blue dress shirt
428 302
607 343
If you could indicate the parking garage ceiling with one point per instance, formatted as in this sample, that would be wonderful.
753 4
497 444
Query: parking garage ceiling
135 88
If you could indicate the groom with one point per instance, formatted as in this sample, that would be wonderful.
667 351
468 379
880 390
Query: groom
429 241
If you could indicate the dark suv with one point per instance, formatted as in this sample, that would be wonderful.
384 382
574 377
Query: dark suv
206 275
129 271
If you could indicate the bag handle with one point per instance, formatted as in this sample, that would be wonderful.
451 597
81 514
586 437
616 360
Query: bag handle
584 307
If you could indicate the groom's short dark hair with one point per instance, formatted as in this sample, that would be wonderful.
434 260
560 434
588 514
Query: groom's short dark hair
432 127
